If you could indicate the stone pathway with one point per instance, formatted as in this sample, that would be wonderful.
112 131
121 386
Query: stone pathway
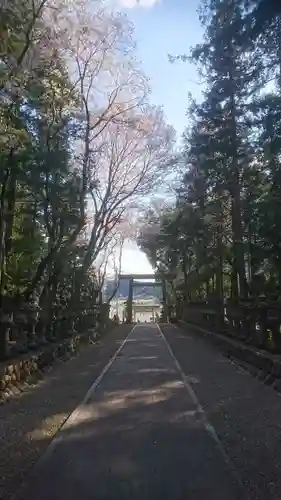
140 434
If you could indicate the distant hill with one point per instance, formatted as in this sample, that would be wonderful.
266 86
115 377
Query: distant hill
139 292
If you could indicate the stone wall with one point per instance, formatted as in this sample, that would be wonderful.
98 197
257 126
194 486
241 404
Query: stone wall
260 363
15 372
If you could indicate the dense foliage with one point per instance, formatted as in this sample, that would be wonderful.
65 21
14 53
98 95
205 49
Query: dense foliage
222 238
79 144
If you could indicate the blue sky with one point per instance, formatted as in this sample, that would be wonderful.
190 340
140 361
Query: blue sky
168 26
164 27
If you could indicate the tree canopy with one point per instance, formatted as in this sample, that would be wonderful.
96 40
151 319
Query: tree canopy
222 235
80 143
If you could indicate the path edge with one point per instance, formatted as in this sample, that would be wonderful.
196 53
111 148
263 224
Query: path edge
207 425
72 417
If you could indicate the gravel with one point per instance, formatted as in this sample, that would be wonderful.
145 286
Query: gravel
244 412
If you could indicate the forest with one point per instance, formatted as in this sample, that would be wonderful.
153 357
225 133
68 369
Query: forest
80 143
222 236
82 147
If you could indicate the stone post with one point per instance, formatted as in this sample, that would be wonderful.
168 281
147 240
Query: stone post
104 308
6 323
130 301
165 307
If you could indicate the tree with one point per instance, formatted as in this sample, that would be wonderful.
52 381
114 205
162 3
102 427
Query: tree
131 159
80 144
224 225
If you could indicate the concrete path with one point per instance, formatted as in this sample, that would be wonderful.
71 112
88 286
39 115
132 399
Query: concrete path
140 434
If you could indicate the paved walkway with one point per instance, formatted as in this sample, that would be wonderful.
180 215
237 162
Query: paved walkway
140 434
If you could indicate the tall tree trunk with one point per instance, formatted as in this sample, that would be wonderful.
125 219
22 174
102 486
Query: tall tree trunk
237 229
219 251
3 227
184 270
234 284
279 271
10 211
207 288
251 270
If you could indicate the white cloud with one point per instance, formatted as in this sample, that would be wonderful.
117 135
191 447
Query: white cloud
130 4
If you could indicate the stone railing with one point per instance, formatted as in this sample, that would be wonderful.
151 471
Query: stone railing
24 327
255 322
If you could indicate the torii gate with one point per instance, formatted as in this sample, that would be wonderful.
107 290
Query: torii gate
157 282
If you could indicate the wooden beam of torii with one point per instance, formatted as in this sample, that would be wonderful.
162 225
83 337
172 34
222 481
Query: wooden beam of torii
147 283
166 276
159 280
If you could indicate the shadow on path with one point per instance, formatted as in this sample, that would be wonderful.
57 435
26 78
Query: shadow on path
138 437
29 422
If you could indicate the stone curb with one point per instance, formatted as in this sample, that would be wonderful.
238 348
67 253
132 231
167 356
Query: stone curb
29 367
260 364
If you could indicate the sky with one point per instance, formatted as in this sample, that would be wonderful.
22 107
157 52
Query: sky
164 27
